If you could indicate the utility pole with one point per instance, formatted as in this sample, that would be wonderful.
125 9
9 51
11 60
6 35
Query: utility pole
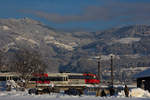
112 77
99 68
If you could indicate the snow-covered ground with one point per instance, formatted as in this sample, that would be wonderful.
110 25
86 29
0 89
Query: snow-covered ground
136 94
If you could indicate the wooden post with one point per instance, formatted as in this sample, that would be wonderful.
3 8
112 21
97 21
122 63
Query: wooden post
99 68
112 77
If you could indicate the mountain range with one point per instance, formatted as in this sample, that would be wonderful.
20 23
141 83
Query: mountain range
78 51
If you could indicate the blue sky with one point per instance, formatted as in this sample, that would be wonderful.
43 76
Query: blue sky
79 15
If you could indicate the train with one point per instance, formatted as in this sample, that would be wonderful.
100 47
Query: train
57 81
65 78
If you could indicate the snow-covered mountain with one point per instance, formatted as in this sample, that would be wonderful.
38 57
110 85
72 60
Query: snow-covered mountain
70 51
29 33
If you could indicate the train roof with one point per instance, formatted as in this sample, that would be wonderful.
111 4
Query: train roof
63 74
145 73
45 74
66 74
8 74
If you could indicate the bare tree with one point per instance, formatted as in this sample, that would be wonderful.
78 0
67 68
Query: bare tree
26 63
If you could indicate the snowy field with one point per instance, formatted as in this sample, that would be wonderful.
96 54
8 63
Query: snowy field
58 97
69 98
136 94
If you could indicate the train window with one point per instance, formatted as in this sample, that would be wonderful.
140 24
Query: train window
89 77
2 78
81 77
54 78
34 79
48 79
15 78
76 77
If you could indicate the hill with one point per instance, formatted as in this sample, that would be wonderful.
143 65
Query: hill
72 51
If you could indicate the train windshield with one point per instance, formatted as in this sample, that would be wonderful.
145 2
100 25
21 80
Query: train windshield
91 77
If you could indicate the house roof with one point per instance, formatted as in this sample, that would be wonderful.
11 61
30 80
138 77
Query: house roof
145 73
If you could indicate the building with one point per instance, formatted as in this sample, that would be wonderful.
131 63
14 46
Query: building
143 79
123 74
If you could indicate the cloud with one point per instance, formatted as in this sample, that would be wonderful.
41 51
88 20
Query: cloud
110 11
91 15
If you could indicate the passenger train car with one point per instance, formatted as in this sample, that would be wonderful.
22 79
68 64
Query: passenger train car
65 78
59 80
